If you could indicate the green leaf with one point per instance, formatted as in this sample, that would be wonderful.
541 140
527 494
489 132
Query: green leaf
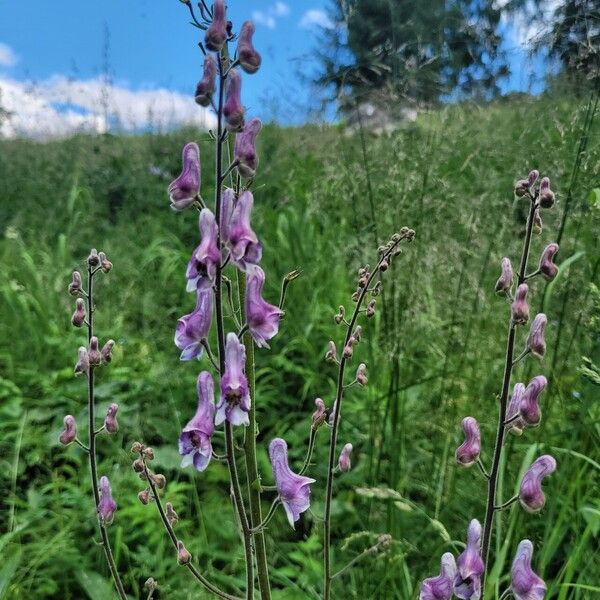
7 572
95 585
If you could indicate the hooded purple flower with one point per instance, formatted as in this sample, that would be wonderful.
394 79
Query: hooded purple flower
344 461
262 317
531 496
94 354
245 148
247 55
235 396
519 307
83 362
293 490
516 427
442 586
525 584
186 187
547 267
75 285
69 433
361 375
202 268
468 452
233 110
107 506
216 34
529 408
523 185
535 341
505 280
193 328
546 194
236 230
110 422
206 86
470 567
194 442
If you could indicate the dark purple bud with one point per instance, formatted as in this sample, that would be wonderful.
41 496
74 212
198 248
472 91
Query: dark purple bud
106 351
320 414
193 328
172 516
537 222
519 307
78 317
148 453
195 440
105 264
546 194
531 496
516 425
262 318
202 267
245 148
348 351
234 404
331 354
247 55
470 567
216 34
160 481
110 422
69 433
75 285
523 185
370 309
340 316
94 355
138 465
206 86
106 506
535 341
93 260
505 280
547 267
293 489
468 452
361 375
525 584
344 461
529 408
233 111
442 586
184 189
136 447
183 556
533 177
144 497
83 363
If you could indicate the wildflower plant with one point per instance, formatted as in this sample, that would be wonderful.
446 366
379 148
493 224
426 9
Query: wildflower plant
517 413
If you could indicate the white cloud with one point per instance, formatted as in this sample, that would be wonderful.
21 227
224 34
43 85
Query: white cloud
59 107
316 18
269 17
529 23
7 57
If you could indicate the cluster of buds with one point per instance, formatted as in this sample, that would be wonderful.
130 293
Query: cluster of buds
93 355
146 454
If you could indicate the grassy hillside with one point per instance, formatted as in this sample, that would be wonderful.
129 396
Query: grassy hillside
434 352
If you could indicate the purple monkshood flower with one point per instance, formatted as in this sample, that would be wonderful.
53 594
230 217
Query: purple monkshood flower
547 267
234 404
69 433
535 341
262 317
546 194
529 408
442 586
193 328
344 461
75 285
531 496
111 424
505 280
293 489
216 34
107 506
185 188
194 442
468 452
247 55
525 584
206 86
233 110
245 148
517 424
470 567
519 307
202 268
236 231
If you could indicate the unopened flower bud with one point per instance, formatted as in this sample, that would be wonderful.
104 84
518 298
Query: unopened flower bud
370 309
531 495
150 583
144 497
355 296
519 307
69 432
137 447
245 148
468 452
148 453
525 583
384 264
78 317
206 86
94 355
93 259
547 267
233 110
529 407
247 55
106 506
340 316
535 341
516 424
183 556
216 34
106 351
348 348
376 289
171 514
546 194
505 280
110 422
75 285
83 363
159 480
320 414
331 354
537 222
105 264
357 333
344 460
138 465
361 375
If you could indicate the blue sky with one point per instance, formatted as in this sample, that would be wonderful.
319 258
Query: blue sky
51 60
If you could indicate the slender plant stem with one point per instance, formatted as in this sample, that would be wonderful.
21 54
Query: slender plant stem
501 430
327 576
507 503
309 452
368 552
91 449
270 515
